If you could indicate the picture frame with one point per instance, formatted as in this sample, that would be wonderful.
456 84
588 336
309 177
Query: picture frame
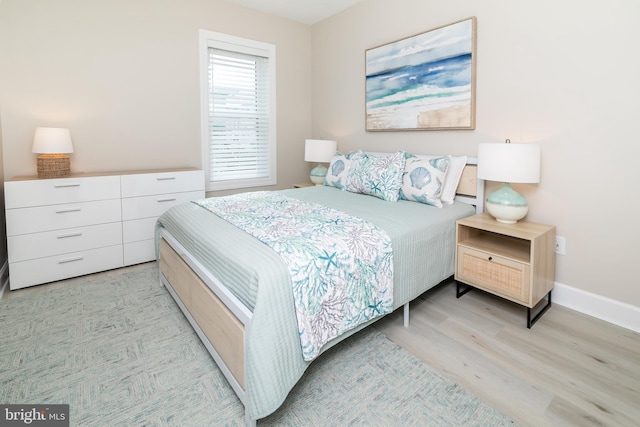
423 82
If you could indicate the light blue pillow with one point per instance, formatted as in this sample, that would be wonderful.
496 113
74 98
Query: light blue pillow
379 176
423 180
340 166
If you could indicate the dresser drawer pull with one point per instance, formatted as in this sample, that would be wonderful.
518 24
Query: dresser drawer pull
173 199
66 185
69 210
167 178
490 258
72 259
64 236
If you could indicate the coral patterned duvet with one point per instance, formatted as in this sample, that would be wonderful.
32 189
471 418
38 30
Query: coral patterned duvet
341 266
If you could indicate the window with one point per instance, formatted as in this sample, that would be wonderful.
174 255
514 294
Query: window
238 111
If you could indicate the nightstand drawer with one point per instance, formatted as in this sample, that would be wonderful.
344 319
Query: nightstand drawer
493 273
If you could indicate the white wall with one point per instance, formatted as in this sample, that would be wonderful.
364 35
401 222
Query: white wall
123 76
565 74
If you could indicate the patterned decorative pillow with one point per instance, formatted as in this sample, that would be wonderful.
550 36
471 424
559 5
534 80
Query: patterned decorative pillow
340 166
379 176
423 180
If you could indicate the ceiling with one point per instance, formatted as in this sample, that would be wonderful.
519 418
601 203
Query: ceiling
305 11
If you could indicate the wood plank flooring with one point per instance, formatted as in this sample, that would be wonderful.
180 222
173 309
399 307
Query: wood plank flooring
569 369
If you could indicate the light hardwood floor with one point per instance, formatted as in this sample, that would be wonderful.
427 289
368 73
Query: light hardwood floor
568 370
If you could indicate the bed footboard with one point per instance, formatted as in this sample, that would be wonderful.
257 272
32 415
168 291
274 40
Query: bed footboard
221 331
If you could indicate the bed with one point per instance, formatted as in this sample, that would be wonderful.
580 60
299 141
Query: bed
236 291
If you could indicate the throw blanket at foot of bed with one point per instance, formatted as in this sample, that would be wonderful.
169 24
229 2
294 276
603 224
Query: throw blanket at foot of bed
341 266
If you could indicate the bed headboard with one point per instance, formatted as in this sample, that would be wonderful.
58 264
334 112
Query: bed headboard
470 188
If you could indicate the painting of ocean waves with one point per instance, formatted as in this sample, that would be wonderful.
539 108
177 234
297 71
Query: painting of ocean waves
423 82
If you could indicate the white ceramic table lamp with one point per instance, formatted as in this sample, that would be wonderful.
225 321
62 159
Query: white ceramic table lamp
53 145
508 163
319 151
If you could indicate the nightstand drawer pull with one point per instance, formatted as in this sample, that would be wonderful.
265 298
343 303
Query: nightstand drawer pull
68 210
72 259
173 199
168 178
490 258
66 185
64 236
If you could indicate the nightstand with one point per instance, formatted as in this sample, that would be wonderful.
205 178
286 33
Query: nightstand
303 184
513 261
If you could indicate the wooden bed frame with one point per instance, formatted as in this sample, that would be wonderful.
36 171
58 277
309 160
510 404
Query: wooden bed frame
220 319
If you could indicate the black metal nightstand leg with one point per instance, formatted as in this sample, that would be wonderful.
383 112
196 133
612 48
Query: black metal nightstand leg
530 321
466 289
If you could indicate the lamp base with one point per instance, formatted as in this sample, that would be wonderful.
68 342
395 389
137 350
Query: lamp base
507 205
53 166
317 174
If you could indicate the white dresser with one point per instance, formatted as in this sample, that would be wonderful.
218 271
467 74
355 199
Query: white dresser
67 227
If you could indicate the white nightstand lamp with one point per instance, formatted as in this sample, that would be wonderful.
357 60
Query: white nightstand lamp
320 151
52 144
508 163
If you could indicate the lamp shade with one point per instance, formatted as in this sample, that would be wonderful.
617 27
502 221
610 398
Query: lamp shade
508 163
519 163
52 141
319 150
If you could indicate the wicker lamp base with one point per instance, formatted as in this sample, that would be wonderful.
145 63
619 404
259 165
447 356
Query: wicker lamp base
53 166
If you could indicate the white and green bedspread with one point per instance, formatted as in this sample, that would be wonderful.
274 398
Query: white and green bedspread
423 241
341 266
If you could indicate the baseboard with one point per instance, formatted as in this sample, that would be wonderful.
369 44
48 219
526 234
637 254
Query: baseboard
607 309
4 278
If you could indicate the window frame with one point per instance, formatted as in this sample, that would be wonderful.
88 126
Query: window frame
212 39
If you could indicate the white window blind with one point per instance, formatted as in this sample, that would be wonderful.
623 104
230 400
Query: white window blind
240 141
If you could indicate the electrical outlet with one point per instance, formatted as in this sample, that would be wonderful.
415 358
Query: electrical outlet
561 245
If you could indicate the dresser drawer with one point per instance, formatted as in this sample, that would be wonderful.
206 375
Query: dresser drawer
43 270
138 252
162 183
55 217
138 229
153 206
28 193
39 245
493 273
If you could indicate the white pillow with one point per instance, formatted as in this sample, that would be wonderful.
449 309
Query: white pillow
452 178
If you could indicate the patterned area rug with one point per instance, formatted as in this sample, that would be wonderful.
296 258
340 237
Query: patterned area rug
117 349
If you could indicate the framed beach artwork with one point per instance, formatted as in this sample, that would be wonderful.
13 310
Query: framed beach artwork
423 82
